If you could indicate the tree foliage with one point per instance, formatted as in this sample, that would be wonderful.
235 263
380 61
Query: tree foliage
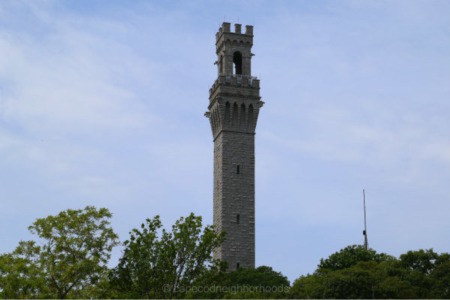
161 264
428 271
20 274
355 272
260 283
76 246
350 256
70 255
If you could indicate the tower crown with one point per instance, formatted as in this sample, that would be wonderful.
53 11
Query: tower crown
234 96
234 50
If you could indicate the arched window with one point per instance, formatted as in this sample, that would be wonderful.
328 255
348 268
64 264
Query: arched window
227 113
234 118
250 117
237 62
213 121
221 65
242 123
219 121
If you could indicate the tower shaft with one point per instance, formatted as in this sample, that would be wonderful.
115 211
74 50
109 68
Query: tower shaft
234 104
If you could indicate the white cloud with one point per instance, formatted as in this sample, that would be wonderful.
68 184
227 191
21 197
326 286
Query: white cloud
68 89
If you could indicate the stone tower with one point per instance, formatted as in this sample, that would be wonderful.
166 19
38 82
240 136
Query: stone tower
234 104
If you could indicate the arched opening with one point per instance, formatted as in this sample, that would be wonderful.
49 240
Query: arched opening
216 119
221 65
234 118
227 113
250 117
237 63
213 121
219 121
242 121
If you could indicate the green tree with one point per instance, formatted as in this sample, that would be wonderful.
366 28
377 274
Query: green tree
428 271
76 246
350 256
308 286
355 272
260 283
366 279
161 264
422 261
440 278
20 276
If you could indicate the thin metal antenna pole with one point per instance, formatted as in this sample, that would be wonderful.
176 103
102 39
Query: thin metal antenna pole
366 243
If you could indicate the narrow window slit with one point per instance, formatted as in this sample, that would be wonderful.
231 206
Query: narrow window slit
238 169
237 62
238 218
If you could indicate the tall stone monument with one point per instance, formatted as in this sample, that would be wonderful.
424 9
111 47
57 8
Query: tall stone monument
234 104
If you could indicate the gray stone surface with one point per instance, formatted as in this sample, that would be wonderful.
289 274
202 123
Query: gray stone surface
233 113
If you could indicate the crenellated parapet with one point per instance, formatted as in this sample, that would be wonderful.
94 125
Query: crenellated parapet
224 35
234 104
226 28
233 50
229 83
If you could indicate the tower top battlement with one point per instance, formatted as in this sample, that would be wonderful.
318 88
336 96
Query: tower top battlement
233 50
226 28
226 35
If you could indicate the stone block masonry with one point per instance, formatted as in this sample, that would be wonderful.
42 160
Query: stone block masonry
234 104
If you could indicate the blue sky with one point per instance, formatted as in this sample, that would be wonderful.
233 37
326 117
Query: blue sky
102 103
